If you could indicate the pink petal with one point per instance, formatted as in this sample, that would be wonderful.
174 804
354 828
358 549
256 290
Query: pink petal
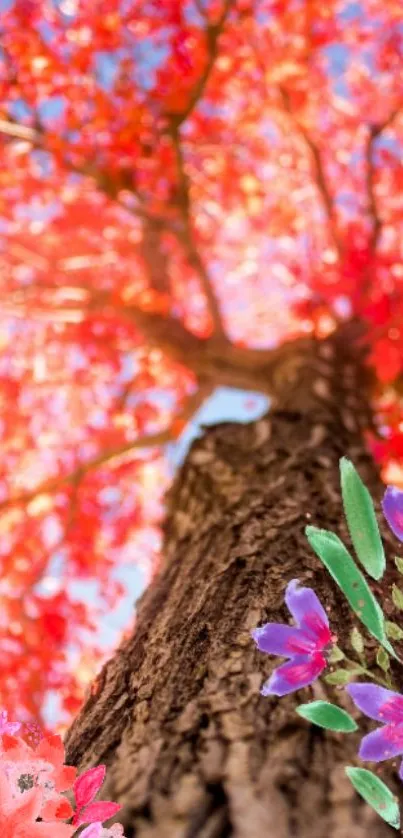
308 613
51 749
46 830
280 639
88 784
377 702
383 743
299 672
100 811
92 831
65 778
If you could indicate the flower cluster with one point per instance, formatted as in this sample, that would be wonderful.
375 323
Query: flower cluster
308 642
33 783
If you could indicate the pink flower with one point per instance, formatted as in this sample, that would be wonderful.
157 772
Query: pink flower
306 644
18 814
44 764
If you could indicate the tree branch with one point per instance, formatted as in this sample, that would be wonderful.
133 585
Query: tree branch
109 186
213 33
186 237
152 226
319 174
376 224
50 486
158 439
210 359
220 363
54 484
155 259
374 132
200 8
20 132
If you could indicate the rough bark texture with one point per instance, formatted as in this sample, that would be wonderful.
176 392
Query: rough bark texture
192 749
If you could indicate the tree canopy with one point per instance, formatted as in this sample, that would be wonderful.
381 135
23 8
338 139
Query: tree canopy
186 186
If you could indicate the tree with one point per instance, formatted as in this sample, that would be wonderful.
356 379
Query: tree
194 195
191 746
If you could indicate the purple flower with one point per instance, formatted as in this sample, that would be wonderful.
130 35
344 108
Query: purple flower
383 706
306 644
392 506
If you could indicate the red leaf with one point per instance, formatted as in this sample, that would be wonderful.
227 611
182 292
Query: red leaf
100 811
88 784
387 358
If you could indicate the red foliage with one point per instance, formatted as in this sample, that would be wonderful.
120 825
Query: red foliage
157 157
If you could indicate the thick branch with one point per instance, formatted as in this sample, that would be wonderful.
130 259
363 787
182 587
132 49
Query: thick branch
221 363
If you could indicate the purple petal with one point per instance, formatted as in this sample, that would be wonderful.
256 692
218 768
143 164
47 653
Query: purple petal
308 612
299 672
401 771
377 703
392 506
94 830
280 639
383 743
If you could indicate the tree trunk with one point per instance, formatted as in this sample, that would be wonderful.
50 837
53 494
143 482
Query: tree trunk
191 747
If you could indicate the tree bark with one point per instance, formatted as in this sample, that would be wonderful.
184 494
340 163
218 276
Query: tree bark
191 747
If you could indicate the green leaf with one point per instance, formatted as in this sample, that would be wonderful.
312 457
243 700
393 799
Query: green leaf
350 580
361 520
397 597
382 659
329 716
342 676
336 655
399 564
394 631
376 793
357 641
